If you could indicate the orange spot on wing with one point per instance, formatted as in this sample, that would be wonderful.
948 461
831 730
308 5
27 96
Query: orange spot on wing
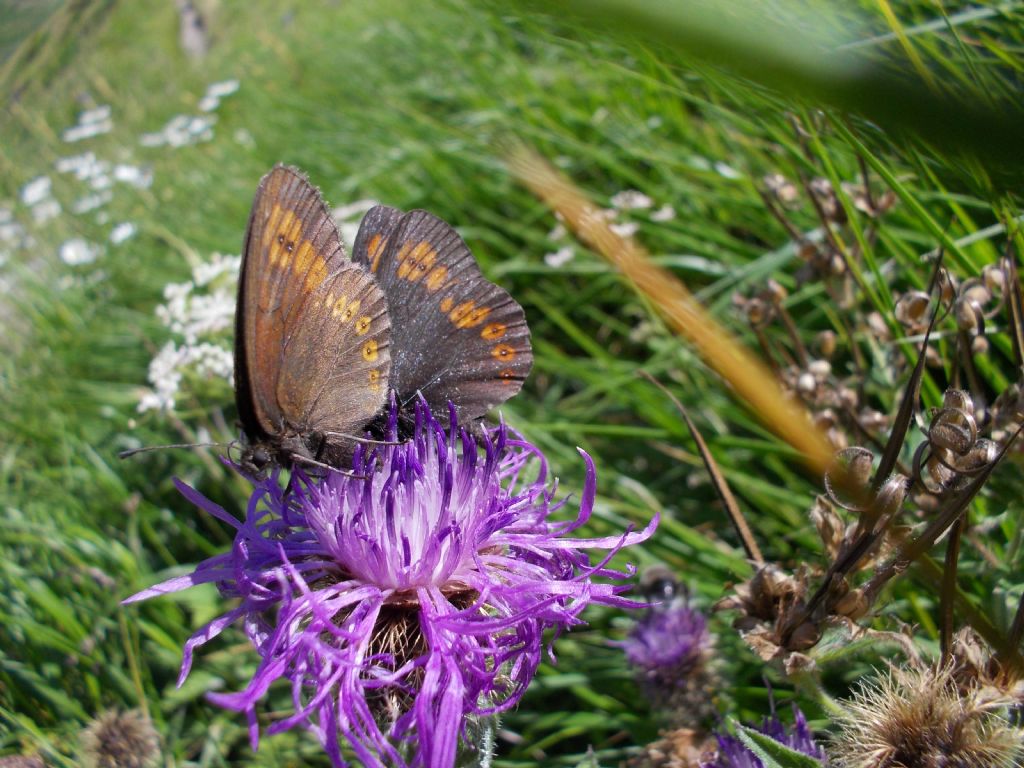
350 311
282 234
468 314
446 304
309 263
363 324
507 375
436 278
374 379
370 350
493 331
374 249
339 304
503 352
415 260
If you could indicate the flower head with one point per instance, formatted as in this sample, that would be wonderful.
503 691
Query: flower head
733 754
408 597
669 647
920 717
120 740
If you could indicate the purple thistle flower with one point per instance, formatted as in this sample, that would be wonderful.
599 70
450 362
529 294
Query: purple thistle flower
668 641
401 601
669 648
733 754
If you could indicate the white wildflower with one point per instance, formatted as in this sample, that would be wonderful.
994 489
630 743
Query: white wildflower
140 178
46 210
92 122
122 232
558 232
78 251
726 170
215 92
181 131
665 213
560 257
631 199
36 191
92 202
624 228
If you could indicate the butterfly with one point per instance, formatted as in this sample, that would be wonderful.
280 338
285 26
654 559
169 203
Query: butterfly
321 340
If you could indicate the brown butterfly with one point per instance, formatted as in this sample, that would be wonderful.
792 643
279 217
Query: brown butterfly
321 340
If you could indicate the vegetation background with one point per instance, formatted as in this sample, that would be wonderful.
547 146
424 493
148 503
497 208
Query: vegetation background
409 104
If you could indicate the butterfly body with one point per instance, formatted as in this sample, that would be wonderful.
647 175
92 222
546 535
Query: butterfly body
321 340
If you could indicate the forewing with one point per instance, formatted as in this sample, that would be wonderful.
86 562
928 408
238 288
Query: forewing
291 247
336 358
454 334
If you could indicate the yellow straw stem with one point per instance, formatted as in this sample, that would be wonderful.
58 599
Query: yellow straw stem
749 377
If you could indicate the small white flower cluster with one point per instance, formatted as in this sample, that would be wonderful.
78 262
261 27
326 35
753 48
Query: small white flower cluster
78 251
38 196
92 122
200 314
621 202
100 175
215 92
180 131
183 130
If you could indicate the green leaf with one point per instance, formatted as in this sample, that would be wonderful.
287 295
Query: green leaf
772 753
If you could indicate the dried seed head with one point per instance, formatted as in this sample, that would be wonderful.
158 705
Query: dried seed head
677 748
826 344
853 604
775 292
825 196
891 495
959 400
948 286
911 310
820 369
847 482
806 384
120 740
830 526
918 718
805 636
781 189
969 315
994 278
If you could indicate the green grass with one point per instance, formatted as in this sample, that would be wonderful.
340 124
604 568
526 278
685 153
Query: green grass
410 105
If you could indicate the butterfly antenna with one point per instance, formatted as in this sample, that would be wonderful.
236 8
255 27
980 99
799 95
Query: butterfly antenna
132 451
313 462
363 440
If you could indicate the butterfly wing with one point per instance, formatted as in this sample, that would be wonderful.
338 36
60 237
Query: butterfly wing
299 362
454 334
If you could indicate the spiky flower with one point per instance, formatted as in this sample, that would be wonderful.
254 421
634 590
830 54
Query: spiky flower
919 718
669 648
410 598
118 739
732 753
